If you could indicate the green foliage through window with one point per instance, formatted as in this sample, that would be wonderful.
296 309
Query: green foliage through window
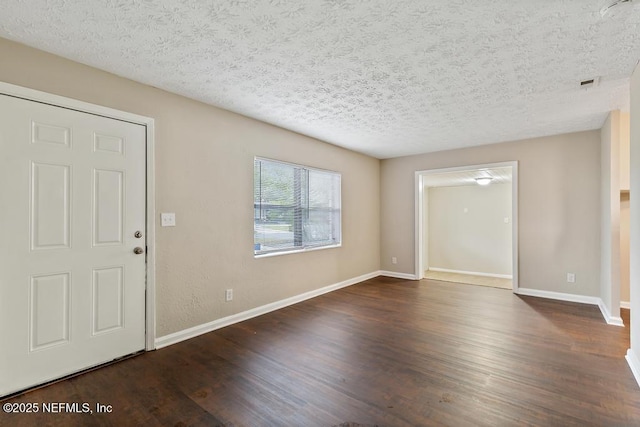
295 207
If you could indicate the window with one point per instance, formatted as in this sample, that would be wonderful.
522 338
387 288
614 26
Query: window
295 207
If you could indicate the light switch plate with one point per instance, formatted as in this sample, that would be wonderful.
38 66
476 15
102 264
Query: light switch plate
168 219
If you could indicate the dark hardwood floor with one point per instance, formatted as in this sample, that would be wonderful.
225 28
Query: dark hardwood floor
385 352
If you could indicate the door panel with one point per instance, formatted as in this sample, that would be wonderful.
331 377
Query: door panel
72 196
108 299
50 305
50 206
108 213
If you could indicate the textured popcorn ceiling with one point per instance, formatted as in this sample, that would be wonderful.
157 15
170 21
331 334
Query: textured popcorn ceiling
384 77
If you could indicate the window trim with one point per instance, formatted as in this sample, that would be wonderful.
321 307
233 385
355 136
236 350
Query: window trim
296 251
311 248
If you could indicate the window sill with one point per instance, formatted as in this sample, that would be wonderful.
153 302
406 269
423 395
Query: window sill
296 251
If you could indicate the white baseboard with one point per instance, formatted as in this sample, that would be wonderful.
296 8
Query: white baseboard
634 364
558 296
186 334
617 321
473 273
393 274
625 304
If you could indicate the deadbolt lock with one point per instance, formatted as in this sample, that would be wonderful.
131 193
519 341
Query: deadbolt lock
137 234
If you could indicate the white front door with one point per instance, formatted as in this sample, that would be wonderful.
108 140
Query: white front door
72 211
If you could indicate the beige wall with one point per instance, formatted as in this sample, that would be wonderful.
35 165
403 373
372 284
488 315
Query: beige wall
204 173
634 208
625 128
624 248
610 213
559 207
466 228
625 164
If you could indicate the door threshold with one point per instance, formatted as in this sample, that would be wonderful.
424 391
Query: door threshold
69 376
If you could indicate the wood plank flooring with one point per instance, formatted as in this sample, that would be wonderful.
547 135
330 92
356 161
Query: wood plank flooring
385 352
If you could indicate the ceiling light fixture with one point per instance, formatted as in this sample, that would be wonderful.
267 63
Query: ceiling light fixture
607 9
484 180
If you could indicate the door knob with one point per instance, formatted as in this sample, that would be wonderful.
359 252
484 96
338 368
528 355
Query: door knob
138 250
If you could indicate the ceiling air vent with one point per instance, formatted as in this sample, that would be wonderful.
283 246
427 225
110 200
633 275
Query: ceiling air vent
589 83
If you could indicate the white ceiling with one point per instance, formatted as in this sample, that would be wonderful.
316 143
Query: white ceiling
502 175
383 77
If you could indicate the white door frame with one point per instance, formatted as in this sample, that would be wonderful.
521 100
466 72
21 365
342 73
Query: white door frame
419 213
148 123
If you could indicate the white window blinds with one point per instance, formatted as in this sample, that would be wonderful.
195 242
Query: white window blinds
295 207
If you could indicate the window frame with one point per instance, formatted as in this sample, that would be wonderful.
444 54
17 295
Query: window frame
296 249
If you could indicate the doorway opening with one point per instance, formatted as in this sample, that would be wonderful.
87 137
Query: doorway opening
467 224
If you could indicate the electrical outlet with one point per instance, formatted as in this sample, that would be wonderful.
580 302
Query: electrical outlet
394 260
571 277
228 295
